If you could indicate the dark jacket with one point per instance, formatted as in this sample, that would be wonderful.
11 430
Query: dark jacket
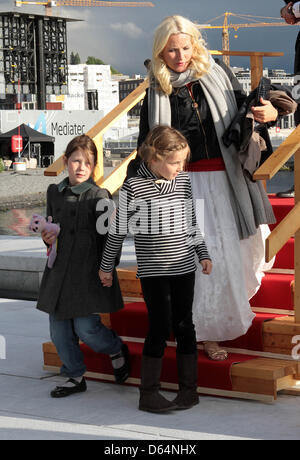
201 136
241 128
72 288
297 48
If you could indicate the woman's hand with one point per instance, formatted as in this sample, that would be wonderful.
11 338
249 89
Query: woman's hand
287 15
106 278
207 266
48 237
265 112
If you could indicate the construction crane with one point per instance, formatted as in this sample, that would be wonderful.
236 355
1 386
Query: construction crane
48 4
226 26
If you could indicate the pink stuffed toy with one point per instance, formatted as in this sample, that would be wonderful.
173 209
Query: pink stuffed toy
38 224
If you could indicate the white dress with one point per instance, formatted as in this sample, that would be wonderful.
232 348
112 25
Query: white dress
221 308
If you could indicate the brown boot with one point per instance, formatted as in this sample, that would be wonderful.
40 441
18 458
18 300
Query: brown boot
150 398
187 366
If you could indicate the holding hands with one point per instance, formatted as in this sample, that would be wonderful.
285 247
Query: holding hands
106 278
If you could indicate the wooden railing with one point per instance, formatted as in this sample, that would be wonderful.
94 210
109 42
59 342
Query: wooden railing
290 225
256 61
114 181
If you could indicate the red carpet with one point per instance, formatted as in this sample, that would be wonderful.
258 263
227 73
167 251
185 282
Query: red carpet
132 321
285 257
275 292
253 339
210 375
281 207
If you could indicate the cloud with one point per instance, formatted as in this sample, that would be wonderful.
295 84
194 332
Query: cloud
130 29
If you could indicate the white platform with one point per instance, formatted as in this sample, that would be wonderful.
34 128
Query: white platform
22 262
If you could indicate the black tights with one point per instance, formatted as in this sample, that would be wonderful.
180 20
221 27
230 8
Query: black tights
169 301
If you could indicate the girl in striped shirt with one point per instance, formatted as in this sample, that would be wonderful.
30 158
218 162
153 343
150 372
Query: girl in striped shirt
157 207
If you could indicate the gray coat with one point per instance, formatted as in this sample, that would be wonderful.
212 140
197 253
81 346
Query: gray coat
72 288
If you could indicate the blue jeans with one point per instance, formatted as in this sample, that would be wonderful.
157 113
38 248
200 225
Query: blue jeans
65 334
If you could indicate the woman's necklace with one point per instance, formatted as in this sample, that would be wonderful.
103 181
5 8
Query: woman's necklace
196 107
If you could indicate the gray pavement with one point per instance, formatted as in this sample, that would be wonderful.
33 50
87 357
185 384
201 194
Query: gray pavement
28 188
108 411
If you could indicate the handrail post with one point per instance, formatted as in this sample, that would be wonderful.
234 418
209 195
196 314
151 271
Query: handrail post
256 63
297 238
98 172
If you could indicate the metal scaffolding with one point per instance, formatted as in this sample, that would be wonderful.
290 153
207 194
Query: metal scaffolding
33 55
18 54
55 52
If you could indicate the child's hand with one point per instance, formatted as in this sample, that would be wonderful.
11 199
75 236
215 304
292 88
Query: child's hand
106 278
207 266
48 237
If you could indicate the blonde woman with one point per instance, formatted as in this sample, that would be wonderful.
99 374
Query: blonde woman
199 97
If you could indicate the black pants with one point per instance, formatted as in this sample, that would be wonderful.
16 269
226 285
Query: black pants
169 301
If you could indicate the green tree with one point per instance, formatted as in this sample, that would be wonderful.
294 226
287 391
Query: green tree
114 71
74 58
92 60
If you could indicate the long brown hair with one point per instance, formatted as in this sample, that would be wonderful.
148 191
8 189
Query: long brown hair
85 144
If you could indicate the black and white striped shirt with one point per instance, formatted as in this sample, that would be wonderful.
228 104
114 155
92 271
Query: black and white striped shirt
161 216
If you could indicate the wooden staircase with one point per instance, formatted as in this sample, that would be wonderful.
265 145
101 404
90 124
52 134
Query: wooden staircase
261 376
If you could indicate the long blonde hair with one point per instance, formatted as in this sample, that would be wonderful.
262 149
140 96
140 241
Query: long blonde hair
200 61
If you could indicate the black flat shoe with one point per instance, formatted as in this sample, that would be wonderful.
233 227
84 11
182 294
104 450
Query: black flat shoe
287 194
62 392
122 373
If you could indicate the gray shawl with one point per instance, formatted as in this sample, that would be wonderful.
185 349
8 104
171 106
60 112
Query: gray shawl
249 199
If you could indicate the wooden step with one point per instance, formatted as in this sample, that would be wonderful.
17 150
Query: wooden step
130 285
258 379
265 376
281 335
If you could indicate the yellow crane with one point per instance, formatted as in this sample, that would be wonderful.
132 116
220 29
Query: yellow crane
226 26
48 4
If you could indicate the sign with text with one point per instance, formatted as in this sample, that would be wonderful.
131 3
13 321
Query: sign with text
61 124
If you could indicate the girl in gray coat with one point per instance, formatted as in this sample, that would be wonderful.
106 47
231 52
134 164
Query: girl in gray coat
71 291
